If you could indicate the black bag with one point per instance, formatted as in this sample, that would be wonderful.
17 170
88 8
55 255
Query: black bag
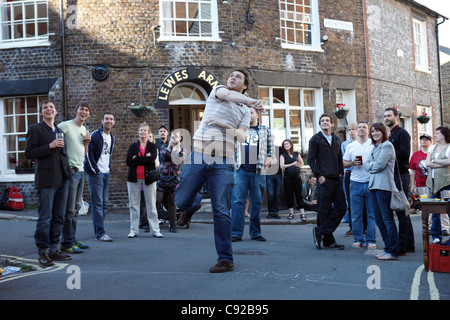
152 175
168 182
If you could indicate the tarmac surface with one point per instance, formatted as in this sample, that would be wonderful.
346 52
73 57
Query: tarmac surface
287 267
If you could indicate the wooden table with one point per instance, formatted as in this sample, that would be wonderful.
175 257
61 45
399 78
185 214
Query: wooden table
428 207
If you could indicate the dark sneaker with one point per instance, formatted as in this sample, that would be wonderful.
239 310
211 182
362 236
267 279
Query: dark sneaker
186 216
317 236
335 245
59 256
235 239
259 238
45 260
276 216
222 266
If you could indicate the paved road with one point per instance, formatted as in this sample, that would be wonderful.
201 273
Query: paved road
286 267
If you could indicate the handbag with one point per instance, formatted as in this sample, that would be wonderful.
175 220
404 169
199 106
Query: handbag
399 201
168 182
152 175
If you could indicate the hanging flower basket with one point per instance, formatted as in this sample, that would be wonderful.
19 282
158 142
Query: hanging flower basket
423 118
138 110
341 111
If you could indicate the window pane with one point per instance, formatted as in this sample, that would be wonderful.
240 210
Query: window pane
278 95
279 130
9 124
308 98
9 105
29 9
12 160
295 134
264 95
294 97
42 10
193 10
32 119
180 10
206 11
308 130
20 124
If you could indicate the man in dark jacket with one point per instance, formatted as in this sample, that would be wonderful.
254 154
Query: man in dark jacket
45 143
97 165
401 141
325 161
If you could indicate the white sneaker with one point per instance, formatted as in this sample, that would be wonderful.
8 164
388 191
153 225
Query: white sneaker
436 240
157 235
105 238
132 234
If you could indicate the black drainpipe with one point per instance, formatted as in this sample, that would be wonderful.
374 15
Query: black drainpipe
63 62
439 69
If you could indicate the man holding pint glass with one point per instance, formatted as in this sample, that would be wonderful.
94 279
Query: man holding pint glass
45 143
355 155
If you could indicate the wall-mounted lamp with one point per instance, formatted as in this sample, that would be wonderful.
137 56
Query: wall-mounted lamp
225 2
154 29
324 39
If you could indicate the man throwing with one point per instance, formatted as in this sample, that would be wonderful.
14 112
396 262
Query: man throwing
225 118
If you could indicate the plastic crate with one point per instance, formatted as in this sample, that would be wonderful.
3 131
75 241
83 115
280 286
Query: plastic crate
439 258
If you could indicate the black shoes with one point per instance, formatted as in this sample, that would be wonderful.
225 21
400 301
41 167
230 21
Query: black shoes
336 246
317 236
259 238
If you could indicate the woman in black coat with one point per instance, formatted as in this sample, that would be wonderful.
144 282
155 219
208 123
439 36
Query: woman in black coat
142 157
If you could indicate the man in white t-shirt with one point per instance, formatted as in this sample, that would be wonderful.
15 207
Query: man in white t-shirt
225 118
355 155
77 138
97 165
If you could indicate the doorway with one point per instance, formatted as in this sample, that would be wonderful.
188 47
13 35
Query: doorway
186 106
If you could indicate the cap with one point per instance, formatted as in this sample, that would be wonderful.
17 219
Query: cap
163 126
427 136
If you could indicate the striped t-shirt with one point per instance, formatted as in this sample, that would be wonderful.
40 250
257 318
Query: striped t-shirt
236 115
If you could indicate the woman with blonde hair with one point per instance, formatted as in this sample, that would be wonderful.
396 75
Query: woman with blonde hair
142 157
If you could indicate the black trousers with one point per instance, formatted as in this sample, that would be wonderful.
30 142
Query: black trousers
293 187
331 208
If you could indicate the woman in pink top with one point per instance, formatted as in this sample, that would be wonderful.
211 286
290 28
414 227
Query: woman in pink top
142 157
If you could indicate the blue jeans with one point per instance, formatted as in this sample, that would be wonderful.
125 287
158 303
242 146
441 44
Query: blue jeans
359 195
273 186
76 183
245 181
219 174
384 217
99 190
436 227
52 207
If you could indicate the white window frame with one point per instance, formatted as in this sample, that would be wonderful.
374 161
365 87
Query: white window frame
270 106
291 16
9 175
420 45
24 41
167 35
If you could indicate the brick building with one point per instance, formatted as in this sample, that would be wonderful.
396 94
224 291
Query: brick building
304 57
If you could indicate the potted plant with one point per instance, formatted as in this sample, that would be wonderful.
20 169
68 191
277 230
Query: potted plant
423 118
341 111
138 109
25 167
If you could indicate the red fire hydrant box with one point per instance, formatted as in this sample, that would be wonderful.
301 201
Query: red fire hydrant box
439 258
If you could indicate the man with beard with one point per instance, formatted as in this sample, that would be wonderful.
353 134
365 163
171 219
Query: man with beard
401 141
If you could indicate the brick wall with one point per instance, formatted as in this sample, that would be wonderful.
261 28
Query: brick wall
118 34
